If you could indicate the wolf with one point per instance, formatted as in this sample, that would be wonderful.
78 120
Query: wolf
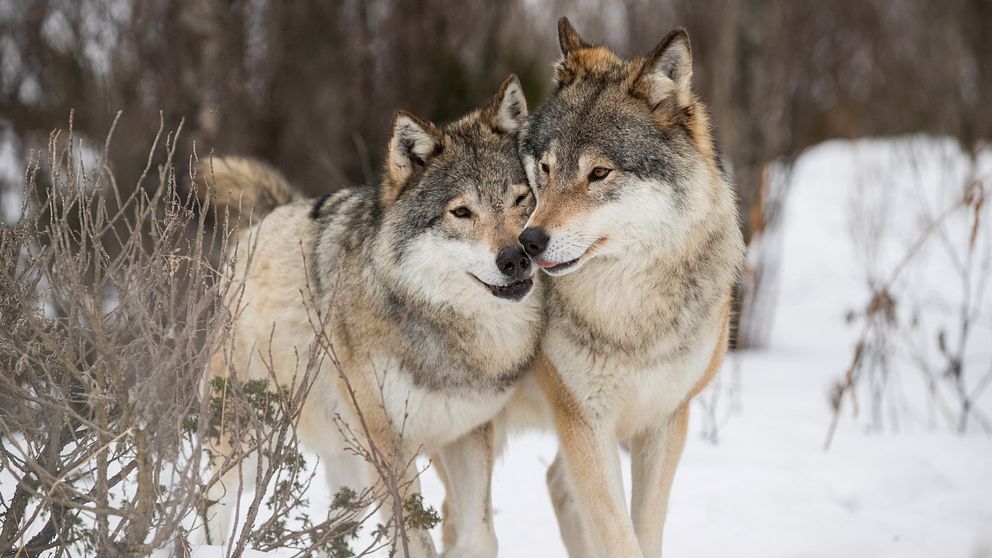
636 225
436 310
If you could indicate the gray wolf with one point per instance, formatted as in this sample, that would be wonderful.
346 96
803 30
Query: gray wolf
636 224
435 310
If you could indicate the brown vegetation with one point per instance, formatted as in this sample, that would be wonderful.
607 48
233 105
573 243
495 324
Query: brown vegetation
111 309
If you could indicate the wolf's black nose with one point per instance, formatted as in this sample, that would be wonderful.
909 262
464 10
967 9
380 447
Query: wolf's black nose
512 261
534 240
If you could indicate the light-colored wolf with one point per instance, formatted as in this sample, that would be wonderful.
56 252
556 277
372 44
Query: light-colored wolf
636 223
435 310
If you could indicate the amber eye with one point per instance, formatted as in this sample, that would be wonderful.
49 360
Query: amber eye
545 168
599 173
520 199
461 212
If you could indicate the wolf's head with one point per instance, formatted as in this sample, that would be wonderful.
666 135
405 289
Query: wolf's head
621 155
455 197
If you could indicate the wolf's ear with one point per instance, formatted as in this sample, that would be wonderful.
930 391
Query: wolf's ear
414 142
668 69
509 107
568 37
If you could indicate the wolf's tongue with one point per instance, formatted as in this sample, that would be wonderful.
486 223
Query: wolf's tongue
546 265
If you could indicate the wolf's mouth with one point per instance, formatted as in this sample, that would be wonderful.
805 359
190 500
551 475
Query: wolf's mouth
554 268
514 291
558 268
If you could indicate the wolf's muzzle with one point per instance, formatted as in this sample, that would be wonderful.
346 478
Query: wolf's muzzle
516 267
534 240
513 262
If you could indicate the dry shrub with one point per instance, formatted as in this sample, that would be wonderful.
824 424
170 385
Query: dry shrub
917 329
112 304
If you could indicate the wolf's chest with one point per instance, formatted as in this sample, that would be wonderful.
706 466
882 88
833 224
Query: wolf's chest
645 313
432 418
633 392
485 355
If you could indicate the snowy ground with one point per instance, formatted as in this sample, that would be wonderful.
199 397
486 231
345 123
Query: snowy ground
906 488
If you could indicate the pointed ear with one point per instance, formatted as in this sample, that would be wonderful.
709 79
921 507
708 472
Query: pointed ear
568 38
668 69
413 144
509 107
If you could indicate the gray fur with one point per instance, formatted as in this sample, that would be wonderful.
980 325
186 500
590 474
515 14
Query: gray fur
597 115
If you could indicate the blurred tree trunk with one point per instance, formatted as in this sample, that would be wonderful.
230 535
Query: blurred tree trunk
740 95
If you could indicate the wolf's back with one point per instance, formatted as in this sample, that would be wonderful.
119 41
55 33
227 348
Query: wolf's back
242 190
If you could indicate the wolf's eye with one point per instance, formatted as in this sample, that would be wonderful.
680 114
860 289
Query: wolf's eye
520 199
545 168
599 173
461 212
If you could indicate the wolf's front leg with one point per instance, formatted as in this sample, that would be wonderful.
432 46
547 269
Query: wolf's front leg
654 455
230 494
421 543
567 511
395 478
592 462
468 470
589 449
418 541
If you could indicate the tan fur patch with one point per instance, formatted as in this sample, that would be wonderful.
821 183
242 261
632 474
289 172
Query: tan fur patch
573 428
702 134
505 237
449 534
716 360
592 61
558 395
596 59
560 205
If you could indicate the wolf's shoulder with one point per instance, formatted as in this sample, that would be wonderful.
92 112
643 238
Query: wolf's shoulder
342 203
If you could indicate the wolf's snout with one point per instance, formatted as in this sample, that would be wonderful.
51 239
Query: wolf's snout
513 262
534 240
